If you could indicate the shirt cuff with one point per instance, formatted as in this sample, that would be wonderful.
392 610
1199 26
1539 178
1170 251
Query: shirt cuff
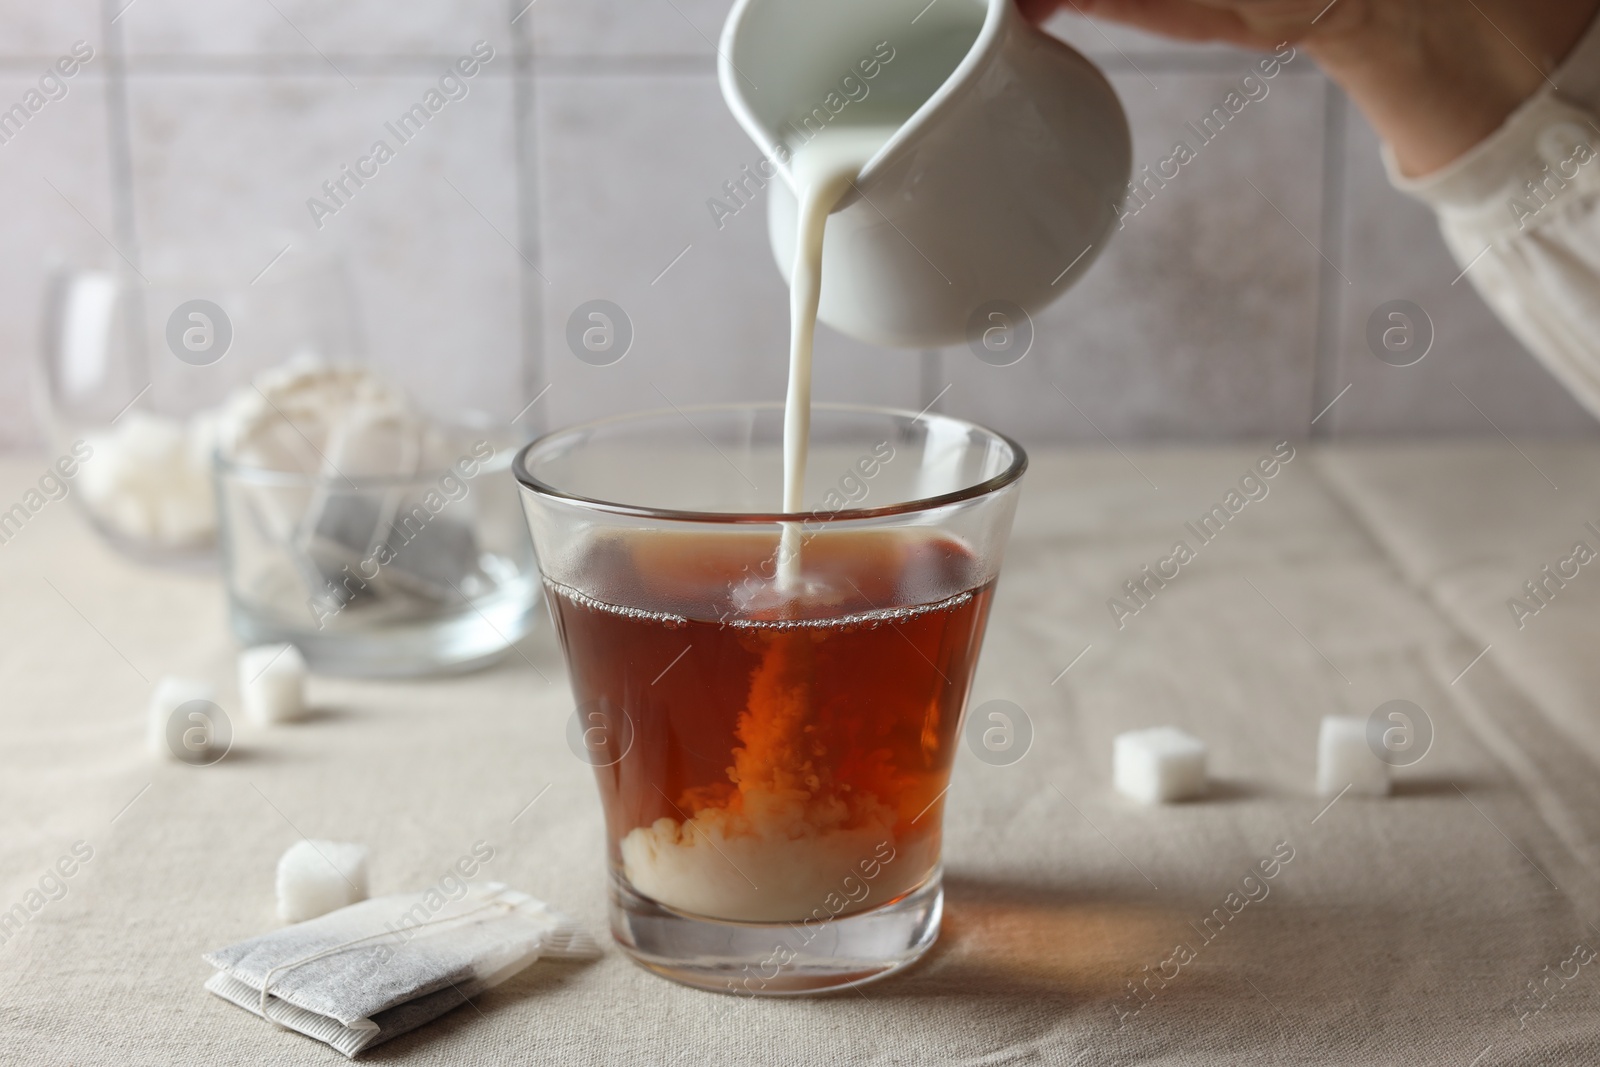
1552 141
1547 141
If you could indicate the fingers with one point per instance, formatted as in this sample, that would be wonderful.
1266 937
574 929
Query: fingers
1187 20
1038 10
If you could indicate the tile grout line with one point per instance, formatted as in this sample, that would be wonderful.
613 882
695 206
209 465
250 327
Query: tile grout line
1331 298
119 139
273 65
119 156
534 377
571 64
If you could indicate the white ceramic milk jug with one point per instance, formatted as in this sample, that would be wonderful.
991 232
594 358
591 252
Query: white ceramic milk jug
999 187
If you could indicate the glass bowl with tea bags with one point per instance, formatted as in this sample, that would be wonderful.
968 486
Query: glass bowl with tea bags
378 540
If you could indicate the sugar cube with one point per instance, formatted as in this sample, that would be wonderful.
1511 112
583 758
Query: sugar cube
196 736
1158 765
1344 758
151 481
272 683
316 877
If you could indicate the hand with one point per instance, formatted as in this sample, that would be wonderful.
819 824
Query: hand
1261 25
1434 77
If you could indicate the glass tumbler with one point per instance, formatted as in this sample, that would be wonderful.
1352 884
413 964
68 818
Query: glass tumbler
771 702
134 365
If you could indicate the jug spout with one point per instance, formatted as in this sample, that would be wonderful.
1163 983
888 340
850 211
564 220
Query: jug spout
1005 161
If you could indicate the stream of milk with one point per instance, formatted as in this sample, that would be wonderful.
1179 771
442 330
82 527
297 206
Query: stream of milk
798 838
824 168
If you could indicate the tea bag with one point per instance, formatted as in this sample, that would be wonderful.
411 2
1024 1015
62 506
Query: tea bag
366 973
426 552
362 538
436 561
367 444
281 421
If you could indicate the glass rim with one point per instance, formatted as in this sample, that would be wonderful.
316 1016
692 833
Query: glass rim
987 487
464 422
423 477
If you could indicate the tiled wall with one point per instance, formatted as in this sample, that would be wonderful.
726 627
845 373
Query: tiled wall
579 165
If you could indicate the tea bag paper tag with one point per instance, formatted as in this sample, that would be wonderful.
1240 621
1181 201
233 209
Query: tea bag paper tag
374 970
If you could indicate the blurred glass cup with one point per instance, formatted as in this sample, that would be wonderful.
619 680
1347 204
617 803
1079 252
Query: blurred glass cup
382 576
133 364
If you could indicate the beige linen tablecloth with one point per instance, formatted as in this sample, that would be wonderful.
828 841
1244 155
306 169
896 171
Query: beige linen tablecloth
1449 924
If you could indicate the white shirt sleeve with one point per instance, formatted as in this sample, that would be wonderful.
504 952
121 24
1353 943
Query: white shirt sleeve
1521 214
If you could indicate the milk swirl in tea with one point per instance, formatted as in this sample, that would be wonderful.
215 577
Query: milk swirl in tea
788 762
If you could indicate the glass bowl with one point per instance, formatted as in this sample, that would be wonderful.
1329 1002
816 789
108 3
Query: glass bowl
381 576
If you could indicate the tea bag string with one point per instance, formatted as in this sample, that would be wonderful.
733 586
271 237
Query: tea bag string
266 981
